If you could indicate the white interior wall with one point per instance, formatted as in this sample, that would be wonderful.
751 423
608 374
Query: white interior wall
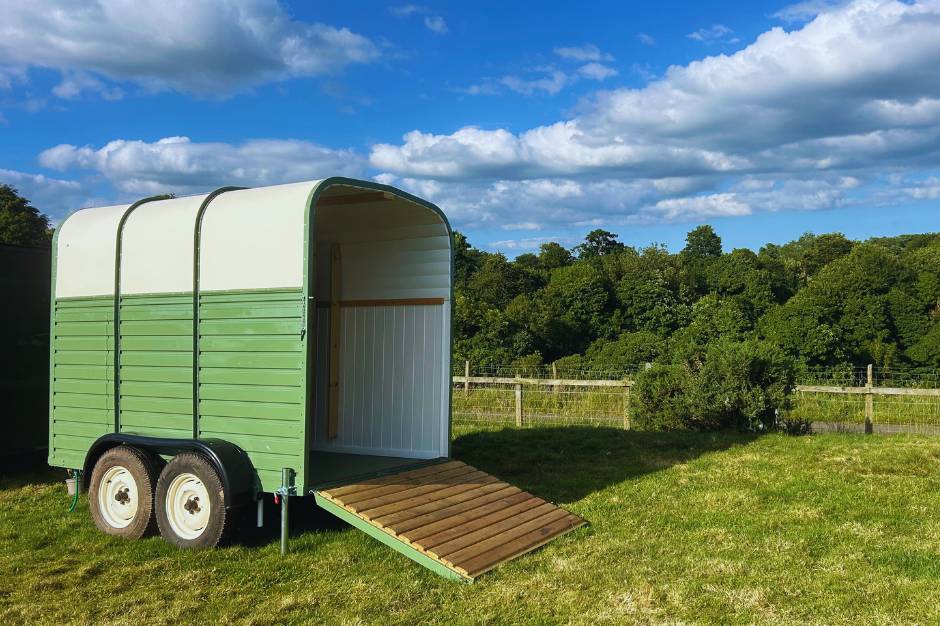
394 358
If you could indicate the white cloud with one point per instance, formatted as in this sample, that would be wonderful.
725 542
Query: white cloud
806 10
713 34
587 52
551 83
210 47
404 10
522 226
645 39
52 196
178 165
436 24
829 107
528 244
596 71
702 207
74 84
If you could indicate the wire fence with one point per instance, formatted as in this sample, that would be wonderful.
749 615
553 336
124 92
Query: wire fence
841 399
526 404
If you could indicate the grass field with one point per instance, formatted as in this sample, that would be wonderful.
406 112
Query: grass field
685 528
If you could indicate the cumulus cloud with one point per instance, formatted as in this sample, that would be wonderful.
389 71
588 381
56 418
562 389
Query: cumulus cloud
551 83
179 165
596 71
811 118
587 52
712 34
806 10
646 39
52 196
74 84
210 47
436 24
404 10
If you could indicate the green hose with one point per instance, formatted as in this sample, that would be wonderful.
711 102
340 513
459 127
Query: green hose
75 474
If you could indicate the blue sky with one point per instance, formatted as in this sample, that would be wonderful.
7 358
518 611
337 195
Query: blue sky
766 119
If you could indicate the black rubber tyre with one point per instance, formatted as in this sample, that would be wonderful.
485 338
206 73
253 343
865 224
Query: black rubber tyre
120 493
184 516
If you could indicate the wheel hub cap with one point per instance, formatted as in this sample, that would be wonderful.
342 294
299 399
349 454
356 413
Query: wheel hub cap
117 497
188 506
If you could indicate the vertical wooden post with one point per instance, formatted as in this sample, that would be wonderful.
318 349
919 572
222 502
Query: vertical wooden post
519 404
869 402
466 378
556 387
626 406
335 313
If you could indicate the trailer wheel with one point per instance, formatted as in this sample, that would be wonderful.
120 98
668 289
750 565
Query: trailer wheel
191 503
121 493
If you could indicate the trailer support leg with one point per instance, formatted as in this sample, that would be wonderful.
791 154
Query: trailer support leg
286 491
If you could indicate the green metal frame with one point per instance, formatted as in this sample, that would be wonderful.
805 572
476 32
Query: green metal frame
310 277
395 544
197 242
117 304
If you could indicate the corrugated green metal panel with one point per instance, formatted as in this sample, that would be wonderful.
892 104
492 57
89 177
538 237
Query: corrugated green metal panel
251 376
156 376
82 373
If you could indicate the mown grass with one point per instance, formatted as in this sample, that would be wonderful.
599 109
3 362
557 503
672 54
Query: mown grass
685 528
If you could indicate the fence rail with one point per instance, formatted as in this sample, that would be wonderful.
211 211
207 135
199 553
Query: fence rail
530 396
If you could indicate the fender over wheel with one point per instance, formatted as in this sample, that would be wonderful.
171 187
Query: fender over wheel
120 493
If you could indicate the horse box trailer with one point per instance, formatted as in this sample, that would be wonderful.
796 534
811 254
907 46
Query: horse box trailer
293 339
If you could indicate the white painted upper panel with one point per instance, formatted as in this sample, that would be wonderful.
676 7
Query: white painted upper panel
157 246
254 238
85 252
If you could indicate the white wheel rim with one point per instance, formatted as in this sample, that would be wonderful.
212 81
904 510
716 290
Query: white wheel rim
117 497
188 506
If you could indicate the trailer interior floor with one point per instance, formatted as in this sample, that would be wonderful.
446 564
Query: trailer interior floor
331 467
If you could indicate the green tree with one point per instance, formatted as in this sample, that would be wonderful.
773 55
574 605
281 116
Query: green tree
21 224
598 243
553 255
702 243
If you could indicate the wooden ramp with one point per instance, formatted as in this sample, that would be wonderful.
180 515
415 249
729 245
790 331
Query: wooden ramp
449 517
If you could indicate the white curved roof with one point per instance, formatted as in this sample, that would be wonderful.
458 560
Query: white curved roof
254 238
157 246
85 252
249 239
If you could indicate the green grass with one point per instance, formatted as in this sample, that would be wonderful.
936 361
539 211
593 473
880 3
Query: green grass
685 528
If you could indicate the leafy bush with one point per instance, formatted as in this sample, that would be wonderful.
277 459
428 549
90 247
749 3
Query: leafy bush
660 398
739 384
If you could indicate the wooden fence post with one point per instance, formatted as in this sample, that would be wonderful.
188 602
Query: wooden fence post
626 407
519 404
869 402
555 376
466 378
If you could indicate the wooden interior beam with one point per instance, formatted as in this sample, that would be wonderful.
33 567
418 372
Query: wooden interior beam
355 198
333 402
384 302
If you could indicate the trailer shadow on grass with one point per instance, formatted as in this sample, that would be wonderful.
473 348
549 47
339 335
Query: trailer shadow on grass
561 464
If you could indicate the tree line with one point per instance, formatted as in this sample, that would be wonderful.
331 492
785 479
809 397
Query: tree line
725 333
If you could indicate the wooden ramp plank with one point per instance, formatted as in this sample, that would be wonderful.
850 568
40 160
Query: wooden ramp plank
450 517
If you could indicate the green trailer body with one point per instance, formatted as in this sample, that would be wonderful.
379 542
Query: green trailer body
293 339
208 317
